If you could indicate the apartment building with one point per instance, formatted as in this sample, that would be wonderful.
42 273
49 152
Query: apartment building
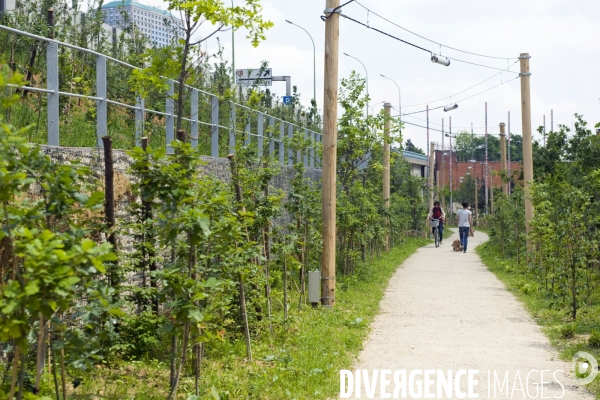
160 26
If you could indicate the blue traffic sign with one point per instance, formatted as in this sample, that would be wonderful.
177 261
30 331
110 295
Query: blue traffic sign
287 100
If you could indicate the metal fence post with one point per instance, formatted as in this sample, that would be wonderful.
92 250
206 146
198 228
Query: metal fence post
260 132
247 132
214 137
271 137
53 101
290 151
170 123
281 144
305 150
139 120
313 137
101 105
194 115
232 116
318 139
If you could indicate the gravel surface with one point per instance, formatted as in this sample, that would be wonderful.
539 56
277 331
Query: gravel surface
443 310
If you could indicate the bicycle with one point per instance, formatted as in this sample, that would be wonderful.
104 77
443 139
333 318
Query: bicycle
434 224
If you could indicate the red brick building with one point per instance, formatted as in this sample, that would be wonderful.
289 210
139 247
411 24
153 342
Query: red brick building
460 169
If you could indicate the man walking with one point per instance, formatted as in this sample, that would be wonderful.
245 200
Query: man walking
465 220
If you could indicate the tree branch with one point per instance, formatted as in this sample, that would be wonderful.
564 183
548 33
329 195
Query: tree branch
209 36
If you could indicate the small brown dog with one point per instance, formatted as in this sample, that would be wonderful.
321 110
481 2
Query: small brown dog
456 245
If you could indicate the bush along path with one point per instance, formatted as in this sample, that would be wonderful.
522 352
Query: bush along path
443 310
204 294
301 360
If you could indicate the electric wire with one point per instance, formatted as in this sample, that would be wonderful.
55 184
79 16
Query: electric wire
480 65
462 91
454 127
460 101
432 41
387 34
487 90
421 48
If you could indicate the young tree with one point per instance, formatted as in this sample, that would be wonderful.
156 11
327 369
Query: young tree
183 57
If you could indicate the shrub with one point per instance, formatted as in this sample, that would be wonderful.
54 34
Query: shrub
594 340
567 331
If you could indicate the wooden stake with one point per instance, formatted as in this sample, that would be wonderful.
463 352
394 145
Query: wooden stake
239 199
386 173
109 202
503 158
527 139
330 106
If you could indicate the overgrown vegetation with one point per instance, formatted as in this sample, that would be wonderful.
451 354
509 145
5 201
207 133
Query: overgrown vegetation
211 301
557 279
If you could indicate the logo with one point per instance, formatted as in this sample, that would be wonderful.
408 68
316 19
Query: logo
585 367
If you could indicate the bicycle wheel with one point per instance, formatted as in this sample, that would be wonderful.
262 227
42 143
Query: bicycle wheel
437 237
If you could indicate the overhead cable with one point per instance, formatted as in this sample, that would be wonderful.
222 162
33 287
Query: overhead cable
433 41
387 34
419 47
462 91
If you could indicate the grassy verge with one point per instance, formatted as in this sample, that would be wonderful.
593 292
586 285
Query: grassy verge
566 336
301 361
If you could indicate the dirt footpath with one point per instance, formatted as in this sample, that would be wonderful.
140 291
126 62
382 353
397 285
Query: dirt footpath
444 310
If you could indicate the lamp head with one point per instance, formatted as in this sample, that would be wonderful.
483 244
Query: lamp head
289 22
450 107
346 54
440 60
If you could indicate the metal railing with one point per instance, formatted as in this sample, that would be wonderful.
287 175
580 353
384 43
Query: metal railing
309 157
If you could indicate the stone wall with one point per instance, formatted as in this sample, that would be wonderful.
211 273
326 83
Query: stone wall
217 167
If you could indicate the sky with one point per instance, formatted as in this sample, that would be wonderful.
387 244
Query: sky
560 35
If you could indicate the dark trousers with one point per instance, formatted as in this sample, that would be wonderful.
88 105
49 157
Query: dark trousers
440 229
463 231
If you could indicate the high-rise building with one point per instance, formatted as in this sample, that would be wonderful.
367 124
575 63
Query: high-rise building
160 26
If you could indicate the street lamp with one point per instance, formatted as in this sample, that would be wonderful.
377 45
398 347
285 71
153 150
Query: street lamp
314 62
440 60
450 107
373 107
399 99
367 80
233 50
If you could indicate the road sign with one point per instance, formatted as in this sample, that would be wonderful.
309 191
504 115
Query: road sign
251 77
287 100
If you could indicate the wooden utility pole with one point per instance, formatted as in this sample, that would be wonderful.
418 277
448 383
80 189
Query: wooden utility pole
503 158
476 204
491 195
443 200
386 172
431 160
437 180
527 144
330 106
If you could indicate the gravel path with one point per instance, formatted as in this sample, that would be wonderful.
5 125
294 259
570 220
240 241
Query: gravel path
444 310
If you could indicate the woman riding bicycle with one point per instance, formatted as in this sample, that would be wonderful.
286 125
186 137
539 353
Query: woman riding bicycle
437 213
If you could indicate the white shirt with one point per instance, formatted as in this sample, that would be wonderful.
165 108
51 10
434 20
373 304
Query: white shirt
463 218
